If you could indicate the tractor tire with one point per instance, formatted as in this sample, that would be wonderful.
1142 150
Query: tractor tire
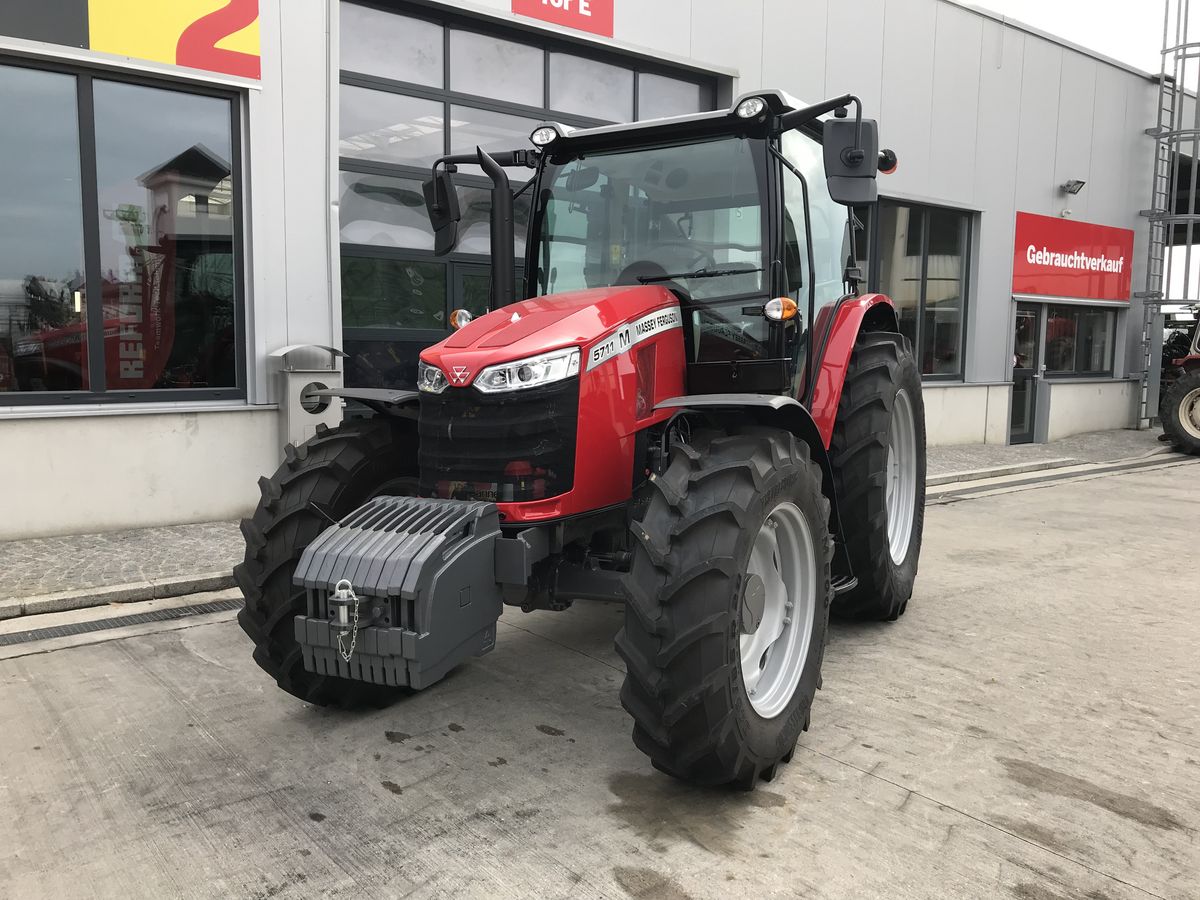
1180 413
878 455
320 482
684 638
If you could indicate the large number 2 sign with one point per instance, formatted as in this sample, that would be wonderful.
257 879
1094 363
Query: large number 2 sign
214 35
198 44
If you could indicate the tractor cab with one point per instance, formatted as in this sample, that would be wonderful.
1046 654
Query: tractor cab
741 213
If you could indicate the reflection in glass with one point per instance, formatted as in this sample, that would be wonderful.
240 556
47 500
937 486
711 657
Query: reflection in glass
164 174
588 87
900 263
475 229
390 293
1079 340
43 340
388 45
487 66
942 325
382 211
1095 353
660 96
471 128
390 128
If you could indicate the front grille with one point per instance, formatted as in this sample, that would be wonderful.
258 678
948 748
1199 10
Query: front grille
505 448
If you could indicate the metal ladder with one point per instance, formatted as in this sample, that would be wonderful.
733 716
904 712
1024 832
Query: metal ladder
1171 134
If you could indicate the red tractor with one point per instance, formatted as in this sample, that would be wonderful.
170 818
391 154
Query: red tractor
694 411
1179 410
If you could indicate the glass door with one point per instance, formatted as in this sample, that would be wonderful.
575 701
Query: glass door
1026 342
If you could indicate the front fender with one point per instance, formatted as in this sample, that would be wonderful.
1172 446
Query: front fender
775 411
870 312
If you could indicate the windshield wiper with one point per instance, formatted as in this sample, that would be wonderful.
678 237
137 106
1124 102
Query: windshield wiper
699 273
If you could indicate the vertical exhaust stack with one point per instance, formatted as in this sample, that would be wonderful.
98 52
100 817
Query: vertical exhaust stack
503 271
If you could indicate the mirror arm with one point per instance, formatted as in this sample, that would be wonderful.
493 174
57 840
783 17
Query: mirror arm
853 156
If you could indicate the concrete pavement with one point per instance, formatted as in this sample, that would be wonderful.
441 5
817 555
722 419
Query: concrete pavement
45 575
1028 730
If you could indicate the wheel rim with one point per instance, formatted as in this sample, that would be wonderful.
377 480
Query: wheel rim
784 556
901 495
1189 413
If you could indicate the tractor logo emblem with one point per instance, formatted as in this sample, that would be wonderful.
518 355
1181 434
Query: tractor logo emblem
460 374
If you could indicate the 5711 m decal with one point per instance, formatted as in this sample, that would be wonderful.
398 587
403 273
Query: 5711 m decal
632 334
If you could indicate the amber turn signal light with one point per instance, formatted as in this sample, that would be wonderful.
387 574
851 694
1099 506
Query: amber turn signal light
780 309
459 318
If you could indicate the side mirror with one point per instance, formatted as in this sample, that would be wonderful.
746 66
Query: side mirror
850 171
441 202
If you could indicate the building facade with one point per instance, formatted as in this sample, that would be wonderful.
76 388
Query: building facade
189 191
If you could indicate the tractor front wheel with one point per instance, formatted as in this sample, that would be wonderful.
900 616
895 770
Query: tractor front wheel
729 598
1180 413
320 482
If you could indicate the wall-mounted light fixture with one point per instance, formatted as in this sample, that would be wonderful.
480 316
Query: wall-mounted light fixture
1074 186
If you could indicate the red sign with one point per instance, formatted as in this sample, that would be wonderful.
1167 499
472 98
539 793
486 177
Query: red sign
1063 258
595 16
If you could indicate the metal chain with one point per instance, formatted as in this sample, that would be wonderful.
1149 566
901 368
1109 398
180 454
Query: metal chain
342 593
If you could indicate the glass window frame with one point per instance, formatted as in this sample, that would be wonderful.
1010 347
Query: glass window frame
98 392
872 237
1076 371
547 43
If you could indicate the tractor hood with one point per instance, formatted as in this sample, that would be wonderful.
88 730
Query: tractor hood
531 327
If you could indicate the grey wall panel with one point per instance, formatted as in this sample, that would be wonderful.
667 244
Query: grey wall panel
854 58
906 108
1037 125
733 36
1111 162
795 49
1000 68
1073 146
956 110
665 25
304 69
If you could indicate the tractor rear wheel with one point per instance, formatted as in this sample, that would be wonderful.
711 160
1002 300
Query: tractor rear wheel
319 482
1180 413
878 454
729 598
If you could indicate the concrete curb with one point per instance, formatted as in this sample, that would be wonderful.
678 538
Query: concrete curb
1001 471
132 592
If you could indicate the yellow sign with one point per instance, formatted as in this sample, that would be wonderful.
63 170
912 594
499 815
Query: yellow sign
215 35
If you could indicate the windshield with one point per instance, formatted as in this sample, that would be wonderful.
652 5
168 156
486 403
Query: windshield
686 214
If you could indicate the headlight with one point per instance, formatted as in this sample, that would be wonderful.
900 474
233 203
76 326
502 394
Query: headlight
431 378
528 373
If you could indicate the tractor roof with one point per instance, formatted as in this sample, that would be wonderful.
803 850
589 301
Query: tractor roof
571 140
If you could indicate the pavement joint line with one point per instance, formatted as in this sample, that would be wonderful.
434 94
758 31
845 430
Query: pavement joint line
129 592
1000 471
914 792
1114 467
984 493
137 618
39 648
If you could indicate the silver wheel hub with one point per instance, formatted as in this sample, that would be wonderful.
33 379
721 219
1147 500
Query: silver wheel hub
780 606
901 493
1189 413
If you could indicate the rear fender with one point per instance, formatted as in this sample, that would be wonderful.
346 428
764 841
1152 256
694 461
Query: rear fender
851 317
774 411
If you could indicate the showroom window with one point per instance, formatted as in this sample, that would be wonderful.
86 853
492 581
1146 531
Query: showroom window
416 87
119 240
1080 340
921 263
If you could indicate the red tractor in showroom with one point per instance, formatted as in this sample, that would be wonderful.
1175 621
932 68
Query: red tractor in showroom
694 411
